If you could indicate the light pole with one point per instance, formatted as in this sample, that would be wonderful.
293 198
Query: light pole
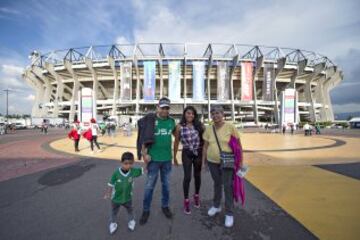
7 108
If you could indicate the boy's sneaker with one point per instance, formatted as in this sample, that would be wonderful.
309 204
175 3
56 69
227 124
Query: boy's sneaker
167 212
112 227
229 221
144 217
213 210
131 225
197 201
187 206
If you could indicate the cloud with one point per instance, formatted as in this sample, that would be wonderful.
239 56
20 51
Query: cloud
329 27
30 97
11 76
346 108
314 27
122 40
347 92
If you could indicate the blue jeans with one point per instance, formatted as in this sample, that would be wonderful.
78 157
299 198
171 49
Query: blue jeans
152 175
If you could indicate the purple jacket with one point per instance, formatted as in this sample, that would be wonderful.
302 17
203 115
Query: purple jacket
238 183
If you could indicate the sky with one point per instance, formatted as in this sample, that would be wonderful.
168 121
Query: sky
329 27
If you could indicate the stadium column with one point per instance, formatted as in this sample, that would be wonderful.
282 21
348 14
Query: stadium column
184 75
334 77
137 106
232 72
59 88
39 92
48 89
111 62
258 65
280 67
89 64
161 77
208 85
75 89
300 67
308 90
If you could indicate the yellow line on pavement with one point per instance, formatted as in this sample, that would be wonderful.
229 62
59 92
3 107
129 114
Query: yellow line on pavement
326 203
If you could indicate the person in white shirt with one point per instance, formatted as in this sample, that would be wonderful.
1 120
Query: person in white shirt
94 132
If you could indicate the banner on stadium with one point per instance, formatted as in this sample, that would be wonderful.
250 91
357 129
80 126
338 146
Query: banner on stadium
223 81
268 82
149 80
198 81
86 105
174 80
247 81
126 79
288 106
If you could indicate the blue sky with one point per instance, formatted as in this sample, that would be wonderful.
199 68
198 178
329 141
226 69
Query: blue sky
328 27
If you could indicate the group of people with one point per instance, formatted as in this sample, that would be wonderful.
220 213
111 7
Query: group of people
91 134
216 147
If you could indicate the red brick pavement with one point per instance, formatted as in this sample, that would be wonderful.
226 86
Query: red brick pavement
25 152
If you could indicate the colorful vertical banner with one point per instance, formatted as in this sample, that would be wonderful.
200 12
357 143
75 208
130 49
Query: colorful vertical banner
126 79
86 105
247 81
198 81
223 81
267 88
174 80
149 80
289 106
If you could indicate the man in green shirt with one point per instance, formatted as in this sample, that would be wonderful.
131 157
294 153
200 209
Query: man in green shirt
121 190
158 157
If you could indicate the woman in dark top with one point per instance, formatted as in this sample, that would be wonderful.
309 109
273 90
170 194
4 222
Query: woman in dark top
189 131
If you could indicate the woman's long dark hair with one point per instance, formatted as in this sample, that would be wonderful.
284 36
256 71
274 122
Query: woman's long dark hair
196 122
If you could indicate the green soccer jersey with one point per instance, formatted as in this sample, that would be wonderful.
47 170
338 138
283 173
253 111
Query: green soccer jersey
160 150
122 184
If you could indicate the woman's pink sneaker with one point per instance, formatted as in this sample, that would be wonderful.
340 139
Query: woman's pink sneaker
187 206
197 201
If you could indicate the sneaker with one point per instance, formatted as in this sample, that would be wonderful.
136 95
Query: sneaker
197 201
213 210
112 227
167 212
144 217
187 206
131 225
229 221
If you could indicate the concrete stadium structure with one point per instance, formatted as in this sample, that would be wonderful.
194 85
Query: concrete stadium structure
57 77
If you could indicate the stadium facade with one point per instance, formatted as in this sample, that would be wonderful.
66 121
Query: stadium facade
253 83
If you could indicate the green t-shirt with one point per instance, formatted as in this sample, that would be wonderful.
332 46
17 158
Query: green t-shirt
122 184
160 150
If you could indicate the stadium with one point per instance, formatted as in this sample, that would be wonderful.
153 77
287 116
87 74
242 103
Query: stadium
254 84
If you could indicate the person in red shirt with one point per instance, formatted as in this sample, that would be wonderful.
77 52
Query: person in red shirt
74 134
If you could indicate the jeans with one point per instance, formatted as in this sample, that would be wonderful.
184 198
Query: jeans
115 207
154 168
223 178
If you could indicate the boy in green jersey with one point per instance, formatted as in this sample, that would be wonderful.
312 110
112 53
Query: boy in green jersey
121 190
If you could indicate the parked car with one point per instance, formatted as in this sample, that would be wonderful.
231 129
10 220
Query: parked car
20 126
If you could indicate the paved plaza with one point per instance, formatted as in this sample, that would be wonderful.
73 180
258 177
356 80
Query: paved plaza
297 188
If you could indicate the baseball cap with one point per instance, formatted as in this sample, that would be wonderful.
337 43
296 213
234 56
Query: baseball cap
164 102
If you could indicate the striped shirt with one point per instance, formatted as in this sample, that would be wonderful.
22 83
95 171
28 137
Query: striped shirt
190 139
